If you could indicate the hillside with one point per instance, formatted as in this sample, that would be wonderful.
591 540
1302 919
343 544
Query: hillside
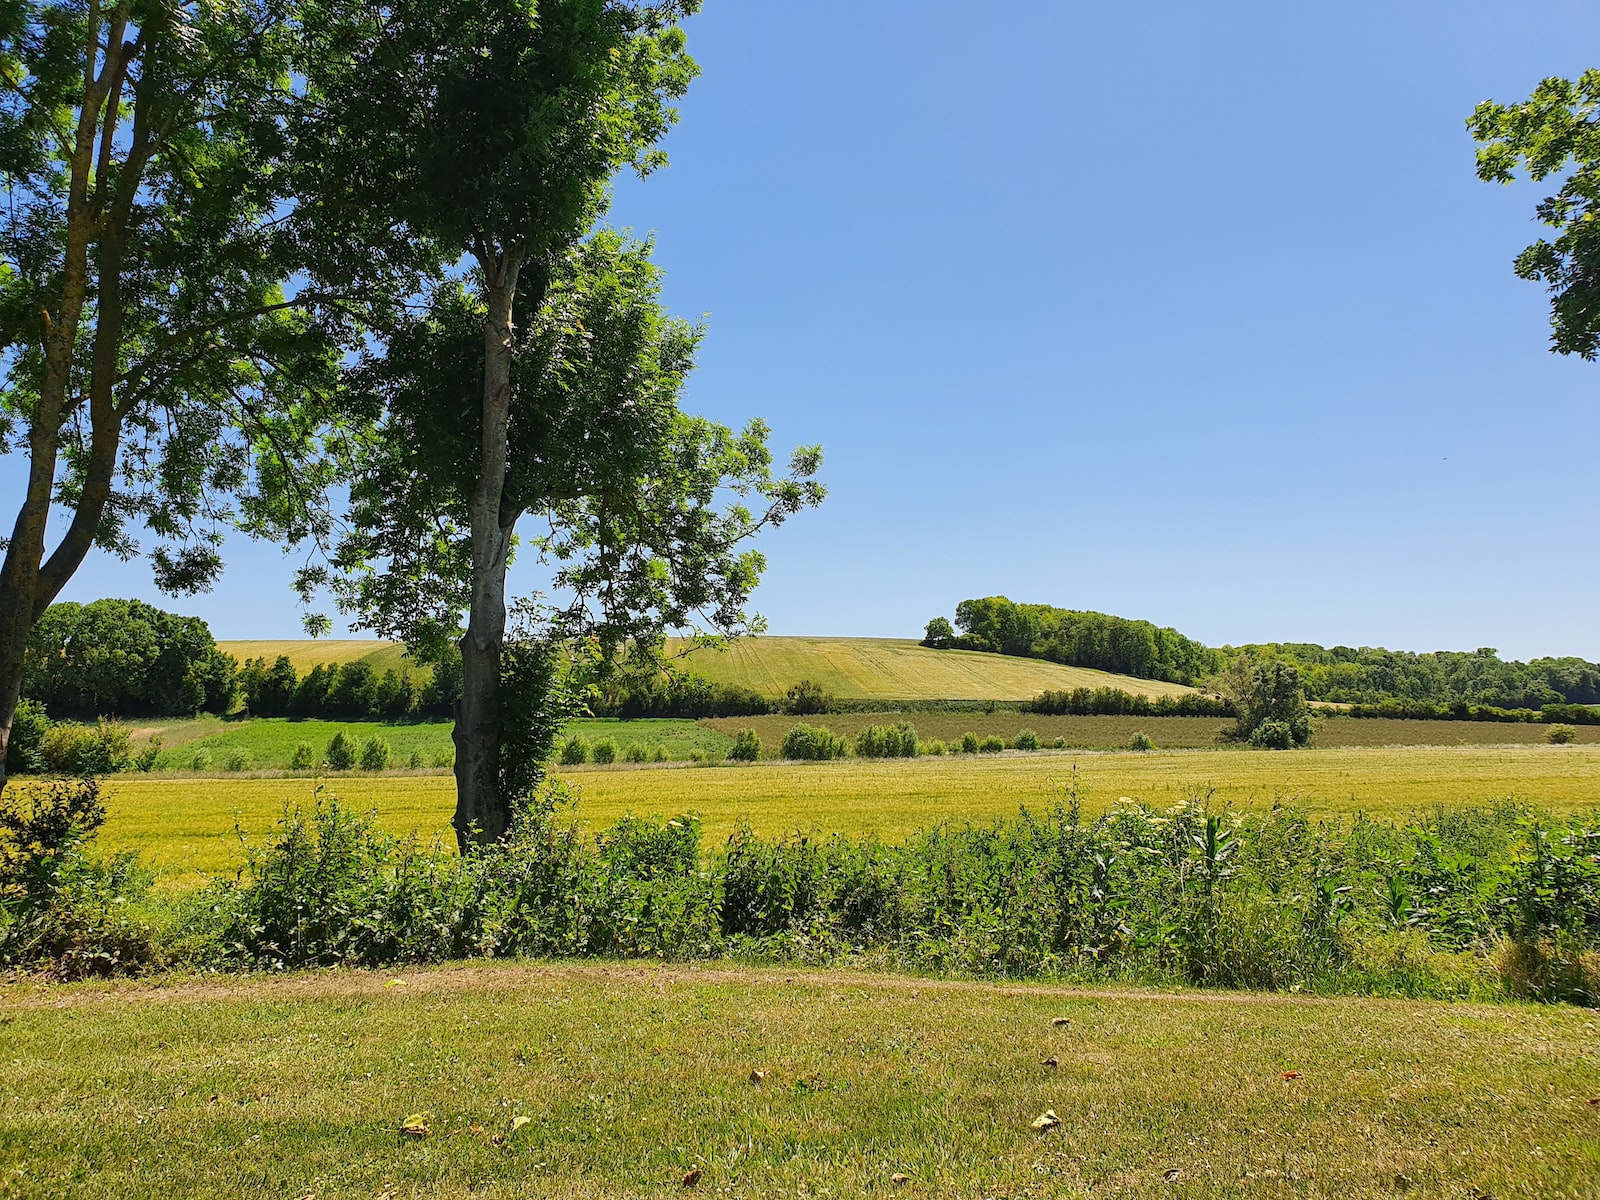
900 669
849 668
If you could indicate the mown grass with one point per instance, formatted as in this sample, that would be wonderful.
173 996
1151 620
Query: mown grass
632 1078
187 825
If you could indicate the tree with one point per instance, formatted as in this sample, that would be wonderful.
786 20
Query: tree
939 634
1556 131
155 360
1265 693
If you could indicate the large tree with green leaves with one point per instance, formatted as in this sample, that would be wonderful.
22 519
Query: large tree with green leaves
545 380
1555 133
158 367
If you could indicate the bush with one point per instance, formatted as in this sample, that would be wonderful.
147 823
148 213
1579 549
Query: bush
1561 735
200 760
935 748
887 741
969 743
101 749
636 752
746 746
238 760
805 699
810 743
445 758
375 754
1027 739
341 753
991 745
574 751
417 760
1140 741
1273 734
605 751
1059 744
304 757
147 758
658 753
25 750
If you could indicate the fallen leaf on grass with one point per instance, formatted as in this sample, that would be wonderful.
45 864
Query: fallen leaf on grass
415 1126
1052 1062
518 1122
395 983
1293 1075
1171 1174
692 1176
757 1076
1059 1021
1046 1120
899 1177
1595 1101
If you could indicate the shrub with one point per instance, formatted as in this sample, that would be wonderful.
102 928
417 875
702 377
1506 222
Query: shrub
200 760
1140 741
605 751
341 753
887 741
991 745
1560 735
746 746
445 758
811 743
24 752
238 760
1027 739
935 748
658 753
303 758
636 753
147 758
574 751
969 743
375 754
805 699
100 749
416 762
1059 744
1273 734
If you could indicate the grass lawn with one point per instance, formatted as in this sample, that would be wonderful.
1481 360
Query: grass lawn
609 1080
186 824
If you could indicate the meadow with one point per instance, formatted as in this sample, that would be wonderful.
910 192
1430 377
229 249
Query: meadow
186 826
610 1080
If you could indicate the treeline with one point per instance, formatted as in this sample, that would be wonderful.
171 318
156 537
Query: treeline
351 691
1077 639
1416 710
1112 702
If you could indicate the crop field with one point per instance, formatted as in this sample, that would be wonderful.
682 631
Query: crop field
608 1080
306 653
186 825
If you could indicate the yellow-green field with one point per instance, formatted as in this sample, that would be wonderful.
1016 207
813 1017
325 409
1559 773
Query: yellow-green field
899 669
591 1080
306 653
186 825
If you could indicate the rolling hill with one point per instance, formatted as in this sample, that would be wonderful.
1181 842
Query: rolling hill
849 668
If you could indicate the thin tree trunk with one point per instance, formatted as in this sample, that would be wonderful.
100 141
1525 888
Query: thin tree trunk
483 812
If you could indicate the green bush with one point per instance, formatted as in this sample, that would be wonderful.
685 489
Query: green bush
375 754
636 752
574 751
746 746
605 751
100 749
805 699
1561 735
1140 741
417 760
811 743
341 752
1060 743
969 743
200 760
1027 739
147 758
887 741
25 750
935 748
238 759
445 758
658 753
991 745
1273 734
304 757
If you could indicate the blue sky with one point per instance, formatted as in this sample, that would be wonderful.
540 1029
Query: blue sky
1188 312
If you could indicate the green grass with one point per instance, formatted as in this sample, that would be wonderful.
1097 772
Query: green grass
899 669
630 1077
185 825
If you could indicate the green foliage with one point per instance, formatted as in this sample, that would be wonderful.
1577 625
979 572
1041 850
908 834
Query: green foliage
375 754
677 694
888 741
1026 739
1114 702
969 743
1269 701
811 743
1273 734
574 751
1560 735
100 749
341 752
992 744
940 634
125 658
1554 133
25 750
805 699
238 760
1140 741
304 757
746 746
604 751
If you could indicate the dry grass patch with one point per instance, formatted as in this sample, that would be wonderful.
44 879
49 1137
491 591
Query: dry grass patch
633 1079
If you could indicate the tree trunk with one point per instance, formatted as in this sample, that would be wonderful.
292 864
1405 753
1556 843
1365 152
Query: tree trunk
483 812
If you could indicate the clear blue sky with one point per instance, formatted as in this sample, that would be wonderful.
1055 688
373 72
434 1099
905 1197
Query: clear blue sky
1188 312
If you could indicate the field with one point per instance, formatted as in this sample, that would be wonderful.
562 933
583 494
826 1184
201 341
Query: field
186 825
306 653
597 1080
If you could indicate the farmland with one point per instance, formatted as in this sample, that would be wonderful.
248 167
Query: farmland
306 653
186 826
630 1078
